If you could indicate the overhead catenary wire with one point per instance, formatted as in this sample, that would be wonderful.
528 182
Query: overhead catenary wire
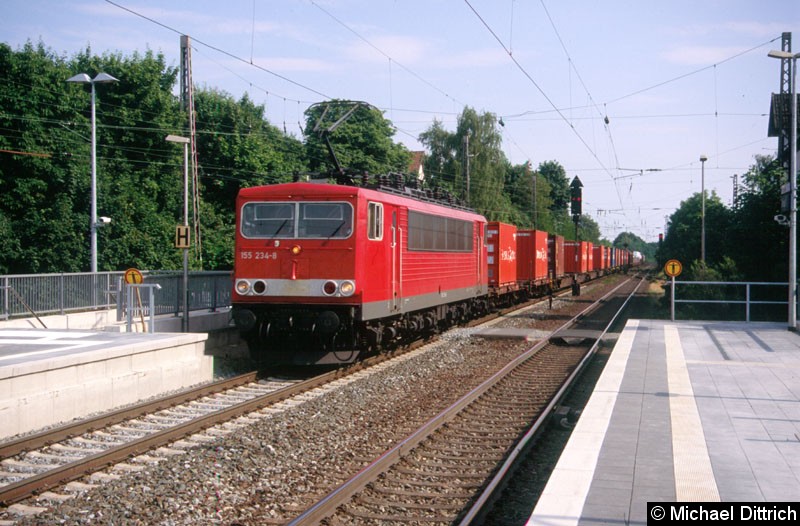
511 49
541 91
383 53
222 51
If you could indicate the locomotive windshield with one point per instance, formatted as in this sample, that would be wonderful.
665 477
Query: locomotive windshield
297 220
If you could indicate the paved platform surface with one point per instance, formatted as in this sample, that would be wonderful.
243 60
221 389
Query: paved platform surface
19 346
684 411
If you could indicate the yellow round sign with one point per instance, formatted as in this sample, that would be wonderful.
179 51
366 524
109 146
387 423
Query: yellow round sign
133 276
673 268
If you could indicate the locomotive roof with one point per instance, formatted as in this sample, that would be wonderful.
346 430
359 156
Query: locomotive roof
388 195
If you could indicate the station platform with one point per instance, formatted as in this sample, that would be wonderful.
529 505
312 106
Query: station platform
48 376
683 412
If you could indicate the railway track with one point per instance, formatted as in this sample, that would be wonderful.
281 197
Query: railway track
448 471
35 465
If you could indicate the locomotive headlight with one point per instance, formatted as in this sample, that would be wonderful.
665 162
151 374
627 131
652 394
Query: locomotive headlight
242 287
296 250
329 288
347 288
260 287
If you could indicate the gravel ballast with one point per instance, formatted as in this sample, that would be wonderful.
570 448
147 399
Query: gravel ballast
269 470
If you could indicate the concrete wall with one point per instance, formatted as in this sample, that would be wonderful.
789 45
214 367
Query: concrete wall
41 393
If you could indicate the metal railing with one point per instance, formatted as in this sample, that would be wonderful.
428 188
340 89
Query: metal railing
729 293
23 295
208 290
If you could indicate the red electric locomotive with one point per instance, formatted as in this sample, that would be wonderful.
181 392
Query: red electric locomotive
325 272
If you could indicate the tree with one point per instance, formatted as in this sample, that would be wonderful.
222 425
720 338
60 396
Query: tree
237 148
44 186
476 138
682 241
143 199
556 176
588 230
362 141
758 202
482 142
632 242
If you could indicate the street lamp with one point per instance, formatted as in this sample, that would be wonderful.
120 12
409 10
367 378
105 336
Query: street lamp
101 78
703 160
792 57
185 141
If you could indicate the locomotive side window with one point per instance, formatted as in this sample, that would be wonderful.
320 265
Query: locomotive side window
437 233
297 220
375 221
268 220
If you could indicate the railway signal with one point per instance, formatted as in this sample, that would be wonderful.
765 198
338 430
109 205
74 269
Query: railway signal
575 201
575 197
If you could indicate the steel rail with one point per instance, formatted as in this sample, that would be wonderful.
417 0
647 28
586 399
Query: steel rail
45 438
328 505
496 484
17 491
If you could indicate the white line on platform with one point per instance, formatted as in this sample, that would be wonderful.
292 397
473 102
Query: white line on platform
40 334
694 477
65 341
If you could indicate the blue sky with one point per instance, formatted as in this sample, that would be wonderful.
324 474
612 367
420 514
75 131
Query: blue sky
676 79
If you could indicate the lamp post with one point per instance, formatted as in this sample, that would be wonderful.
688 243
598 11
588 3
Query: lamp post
703 160
185 141
101 78
792 57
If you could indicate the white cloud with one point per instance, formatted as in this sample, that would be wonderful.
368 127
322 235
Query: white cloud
701 55
403 49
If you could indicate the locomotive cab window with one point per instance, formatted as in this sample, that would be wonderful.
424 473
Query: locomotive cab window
375 221
268 220
328 220
297 220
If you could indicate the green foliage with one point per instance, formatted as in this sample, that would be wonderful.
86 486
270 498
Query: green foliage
742 243
43 195
497 189
45 188
632 242
362 141
45 181
683 238
556 176
589 230
442 165
759 238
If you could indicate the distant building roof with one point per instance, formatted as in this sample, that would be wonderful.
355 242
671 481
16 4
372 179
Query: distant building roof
415 166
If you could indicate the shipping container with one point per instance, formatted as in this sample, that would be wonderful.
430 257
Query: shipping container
600 257
555 256
531 255
576 257
502 254
589 255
